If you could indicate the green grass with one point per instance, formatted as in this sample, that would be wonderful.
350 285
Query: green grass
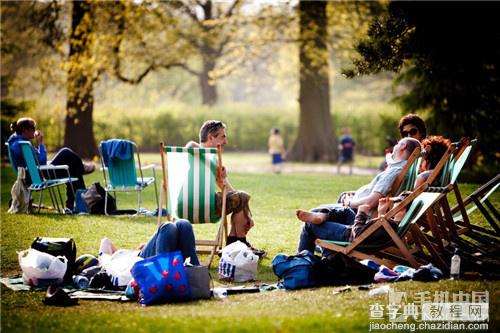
274 199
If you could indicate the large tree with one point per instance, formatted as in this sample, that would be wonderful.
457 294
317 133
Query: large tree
79 134
448 57
315 140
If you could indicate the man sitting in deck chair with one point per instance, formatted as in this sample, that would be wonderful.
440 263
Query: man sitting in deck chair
334 222
348 233
213 134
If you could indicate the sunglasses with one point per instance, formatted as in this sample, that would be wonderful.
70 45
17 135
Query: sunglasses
413 131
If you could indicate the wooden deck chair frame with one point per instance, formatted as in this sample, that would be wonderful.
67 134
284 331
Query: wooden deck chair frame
221 234
43 177
400 252
448 183
135 184
479 199
434 224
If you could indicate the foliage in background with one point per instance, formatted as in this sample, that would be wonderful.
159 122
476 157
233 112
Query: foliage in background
248 126
447 54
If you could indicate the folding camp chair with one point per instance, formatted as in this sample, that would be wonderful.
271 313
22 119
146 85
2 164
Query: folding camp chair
43 177
386 253
120 170
189 189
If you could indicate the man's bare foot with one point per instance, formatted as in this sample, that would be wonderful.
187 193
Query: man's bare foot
306 216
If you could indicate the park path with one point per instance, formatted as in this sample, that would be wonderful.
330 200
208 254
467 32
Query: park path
290 168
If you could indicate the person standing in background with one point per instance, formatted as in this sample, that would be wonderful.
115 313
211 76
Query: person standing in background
346 148
276 150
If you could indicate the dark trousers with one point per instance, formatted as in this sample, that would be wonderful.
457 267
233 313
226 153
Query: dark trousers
68 157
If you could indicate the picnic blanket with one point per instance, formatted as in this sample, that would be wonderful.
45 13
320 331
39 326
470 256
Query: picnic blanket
15 283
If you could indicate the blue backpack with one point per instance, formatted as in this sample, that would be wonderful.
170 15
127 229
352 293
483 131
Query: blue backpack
296 271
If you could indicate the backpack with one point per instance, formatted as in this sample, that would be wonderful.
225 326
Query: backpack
296 271
94 199
339 269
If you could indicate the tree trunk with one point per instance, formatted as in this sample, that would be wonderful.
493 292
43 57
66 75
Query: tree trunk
315 140
208 89
79 134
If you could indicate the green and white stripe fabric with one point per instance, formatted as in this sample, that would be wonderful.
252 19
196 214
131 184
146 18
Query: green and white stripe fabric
191 183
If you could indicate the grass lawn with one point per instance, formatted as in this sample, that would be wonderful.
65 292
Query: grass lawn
274 199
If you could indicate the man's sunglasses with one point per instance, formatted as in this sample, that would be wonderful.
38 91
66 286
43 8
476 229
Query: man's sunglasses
413 131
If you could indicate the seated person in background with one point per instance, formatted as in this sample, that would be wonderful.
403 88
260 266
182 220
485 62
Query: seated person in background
213 134
368 195
412 126
347 233
436 147
25 130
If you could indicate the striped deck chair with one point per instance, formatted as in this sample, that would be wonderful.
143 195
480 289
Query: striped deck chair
189 189
43 178
395 250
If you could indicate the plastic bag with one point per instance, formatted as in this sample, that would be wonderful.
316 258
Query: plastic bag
238 263
41 269
58 247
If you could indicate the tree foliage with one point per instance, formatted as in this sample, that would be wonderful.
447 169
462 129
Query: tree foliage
448 55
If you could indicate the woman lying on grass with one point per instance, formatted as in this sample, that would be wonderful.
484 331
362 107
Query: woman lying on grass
169 237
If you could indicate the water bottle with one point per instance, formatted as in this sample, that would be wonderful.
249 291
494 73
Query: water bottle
455 266
80 281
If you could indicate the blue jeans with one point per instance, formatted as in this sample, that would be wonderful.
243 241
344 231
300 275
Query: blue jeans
336 228
172 237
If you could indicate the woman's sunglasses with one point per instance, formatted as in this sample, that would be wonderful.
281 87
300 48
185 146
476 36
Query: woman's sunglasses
413 131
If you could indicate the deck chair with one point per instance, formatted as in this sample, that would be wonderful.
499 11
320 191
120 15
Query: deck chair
447 182
43 177
479 200
395 250
120 170
189 190
441 175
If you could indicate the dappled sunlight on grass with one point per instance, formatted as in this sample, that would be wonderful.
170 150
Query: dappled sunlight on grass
273 204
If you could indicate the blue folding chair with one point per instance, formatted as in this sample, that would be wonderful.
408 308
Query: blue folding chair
43 177
120 170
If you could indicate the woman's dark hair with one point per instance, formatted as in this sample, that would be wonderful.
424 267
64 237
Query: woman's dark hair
210 127
21 124
435 146
413 119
